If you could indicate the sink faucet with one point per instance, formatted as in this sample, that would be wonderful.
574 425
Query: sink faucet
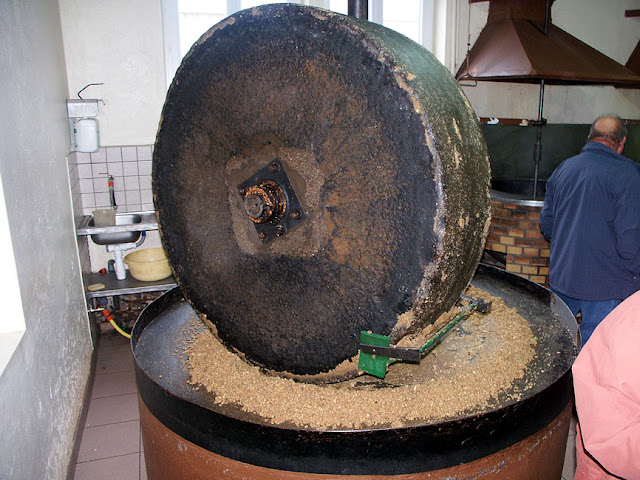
112 193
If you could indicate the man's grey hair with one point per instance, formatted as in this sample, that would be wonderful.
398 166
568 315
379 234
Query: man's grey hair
617 135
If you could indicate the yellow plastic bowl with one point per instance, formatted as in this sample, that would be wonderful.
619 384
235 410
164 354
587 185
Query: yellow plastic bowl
148 264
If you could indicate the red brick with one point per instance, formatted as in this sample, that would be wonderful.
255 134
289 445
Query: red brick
508 222
524 242
523 261
539 242
516 232
540 261
493 237
519 214
513 268
495 228
534 233
527 225
506 240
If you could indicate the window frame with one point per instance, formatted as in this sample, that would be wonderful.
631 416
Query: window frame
435 18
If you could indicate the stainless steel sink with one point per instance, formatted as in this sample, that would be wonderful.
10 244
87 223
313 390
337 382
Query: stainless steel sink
120 236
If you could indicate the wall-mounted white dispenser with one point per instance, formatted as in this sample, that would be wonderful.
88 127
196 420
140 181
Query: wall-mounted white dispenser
83 126
87 135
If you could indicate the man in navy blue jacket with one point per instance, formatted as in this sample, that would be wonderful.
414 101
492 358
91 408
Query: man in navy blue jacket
591 216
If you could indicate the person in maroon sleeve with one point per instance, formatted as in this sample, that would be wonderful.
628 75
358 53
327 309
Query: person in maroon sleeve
606 379
591 216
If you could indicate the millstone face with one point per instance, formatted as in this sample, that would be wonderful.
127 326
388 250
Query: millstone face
385 213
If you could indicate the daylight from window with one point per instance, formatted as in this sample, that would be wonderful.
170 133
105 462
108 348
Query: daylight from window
195 17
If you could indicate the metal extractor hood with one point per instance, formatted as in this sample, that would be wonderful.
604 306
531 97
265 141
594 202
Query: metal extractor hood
520 44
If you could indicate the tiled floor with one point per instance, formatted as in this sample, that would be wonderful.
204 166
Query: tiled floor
111 446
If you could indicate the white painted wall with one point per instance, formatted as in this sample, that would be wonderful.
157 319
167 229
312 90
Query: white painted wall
42 387
118 43
601 25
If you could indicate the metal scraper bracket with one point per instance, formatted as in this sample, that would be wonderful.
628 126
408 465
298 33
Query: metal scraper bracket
376 354
270 202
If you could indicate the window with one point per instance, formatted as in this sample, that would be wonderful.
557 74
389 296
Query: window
184 21
12 325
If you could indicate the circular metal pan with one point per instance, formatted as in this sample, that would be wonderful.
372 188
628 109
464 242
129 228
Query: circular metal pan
316 175
166 326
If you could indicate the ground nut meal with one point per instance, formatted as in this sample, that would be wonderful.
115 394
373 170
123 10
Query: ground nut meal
474 365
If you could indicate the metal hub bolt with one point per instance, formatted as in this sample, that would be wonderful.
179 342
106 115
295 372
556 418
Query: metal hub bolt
254 205
265 202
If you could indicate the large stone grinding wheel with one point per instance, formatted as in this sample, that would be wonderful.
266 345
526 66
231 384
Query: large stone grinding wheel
316 175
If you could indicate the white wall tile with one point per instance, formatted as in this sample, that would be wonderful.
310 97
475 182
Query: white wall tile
88 200
145 182
145 152
72 160
115 169
130 168
85 170
83 157
99 157
99 170
75 196
100 184
121 199
144 167
114 154
77 209
131 183
102 200
146 196
133 197
129 154
74 175
86 185
118 184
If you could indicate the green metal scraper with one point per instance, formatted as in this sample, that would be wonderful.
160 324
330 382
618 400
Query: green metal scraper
371 362
376 354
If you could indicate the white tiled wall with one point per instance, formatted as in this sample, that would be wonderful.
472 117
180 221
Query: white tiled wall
131 170
88 175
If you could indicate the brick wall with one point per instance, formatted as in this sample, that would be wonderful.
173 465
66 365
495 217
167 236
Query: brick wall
515 233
